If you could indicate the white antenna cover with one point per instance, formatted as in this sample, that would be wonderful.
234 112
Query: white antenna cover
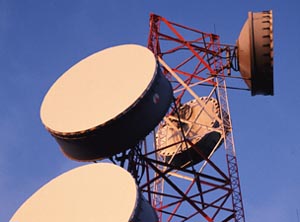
106 103
91 193
98 88
255 53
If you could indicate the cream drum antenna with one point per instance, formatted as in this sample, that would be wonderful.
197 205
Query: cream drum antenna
93 192
255 47
106 103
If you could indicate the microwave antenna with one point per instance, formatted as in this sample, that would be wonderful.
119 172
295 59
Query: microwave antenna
162 113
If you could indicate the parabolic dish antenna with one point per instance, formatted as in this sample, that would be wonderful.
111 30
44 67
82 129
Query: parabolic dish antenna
199 122
93 193
255 53
107 102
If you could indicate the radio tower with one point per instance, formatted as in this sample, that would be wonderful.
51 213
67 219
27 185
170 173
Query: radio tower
194 160
171 128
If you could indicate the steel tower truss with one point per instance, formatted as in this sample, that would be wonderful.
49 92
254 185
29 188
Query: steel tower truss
195 63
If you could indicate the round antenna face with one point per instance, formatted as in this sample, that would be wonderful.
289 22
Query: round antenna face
255 53
106 103
95 192
98 89
199 123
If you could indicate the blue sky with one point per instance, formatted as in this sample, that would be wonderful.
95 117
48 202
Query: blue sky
39 40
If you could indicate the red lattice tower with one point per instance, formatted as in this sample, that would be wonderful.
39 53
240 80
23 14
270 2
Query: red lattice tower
208 187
